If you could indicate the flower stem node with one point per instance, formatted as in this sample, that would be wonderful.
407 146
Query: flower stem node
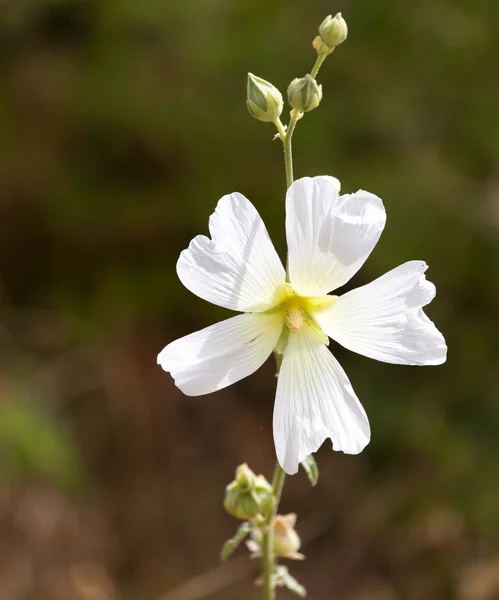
249 495
264 100
333 30
304 94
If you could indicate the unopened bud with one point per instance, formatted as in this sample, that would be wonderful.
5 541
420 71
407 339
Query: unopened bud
304 94
333 30
286 540
264 100
248 495
245 476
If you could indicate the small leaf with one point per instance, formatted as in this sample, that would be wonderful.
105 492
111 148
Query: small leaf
284 578
231 544
311 469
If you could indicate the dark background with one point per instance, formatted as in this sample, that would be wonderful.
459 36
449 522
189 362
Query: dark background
122 122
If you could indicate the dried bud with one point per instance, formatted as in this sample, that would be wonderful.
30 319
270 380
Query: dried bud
321 47
286 540
248 495
304 94
264 100
333 30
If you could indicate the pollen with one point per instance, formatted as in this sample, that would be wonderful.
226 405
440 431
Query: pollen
300 311
294 319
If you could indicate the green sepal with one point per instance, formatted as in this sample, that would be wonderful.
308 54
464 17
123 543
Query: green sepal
231 544
311 469
282 342
278 362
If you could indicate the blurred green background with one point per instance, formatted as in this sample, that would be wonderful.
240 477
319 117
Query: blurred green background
122 123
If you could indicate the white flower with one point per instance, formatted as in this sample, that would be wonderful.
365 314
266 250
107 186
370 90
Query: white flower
329 238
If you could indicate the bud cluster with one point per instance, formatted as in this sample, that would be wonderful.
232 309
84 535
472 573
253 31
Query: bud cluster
264 100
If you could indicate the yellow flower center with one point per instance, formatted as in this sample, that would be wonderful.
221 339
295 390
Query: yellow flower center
294 319
299 311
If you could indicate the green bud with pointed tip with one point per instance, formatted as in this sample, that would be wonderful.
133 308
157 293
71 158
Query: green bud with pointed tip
248 495
333 30
245 477
264 100
304 94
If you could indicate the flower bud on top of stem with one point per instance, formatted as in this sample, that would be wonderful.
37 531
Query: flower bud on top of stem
264 100
304 94
245 477
333 30
248 495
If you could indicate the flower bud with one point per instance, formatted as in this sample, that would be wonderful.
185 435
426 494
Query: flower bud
304 94
264 100
245 476
333 30
248 495
286 540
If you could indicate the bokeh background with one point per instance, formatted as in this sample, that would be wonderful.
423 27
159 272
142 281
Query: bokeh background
122 123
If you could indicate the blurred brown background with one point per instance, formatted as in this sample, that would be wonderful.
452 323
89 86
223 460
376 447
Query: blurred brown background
122 123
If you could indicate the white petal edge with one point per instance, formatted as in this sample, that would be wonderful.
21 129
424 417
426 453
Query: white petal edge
384 319
219 355
329 236
238 268
314 401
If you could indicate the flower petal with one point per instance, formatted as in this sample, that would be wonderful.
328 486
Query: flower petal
238 268
384 319
315 401
329 236
221 354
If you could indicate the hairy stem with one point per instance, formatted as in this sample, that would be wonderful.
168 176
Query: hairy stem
318 64
288 134
288 149
268 558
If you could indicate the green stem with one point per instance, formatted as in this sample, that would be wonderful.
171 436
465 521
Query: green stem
286 136
288 149
318 64
278 484
268 558
281 129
